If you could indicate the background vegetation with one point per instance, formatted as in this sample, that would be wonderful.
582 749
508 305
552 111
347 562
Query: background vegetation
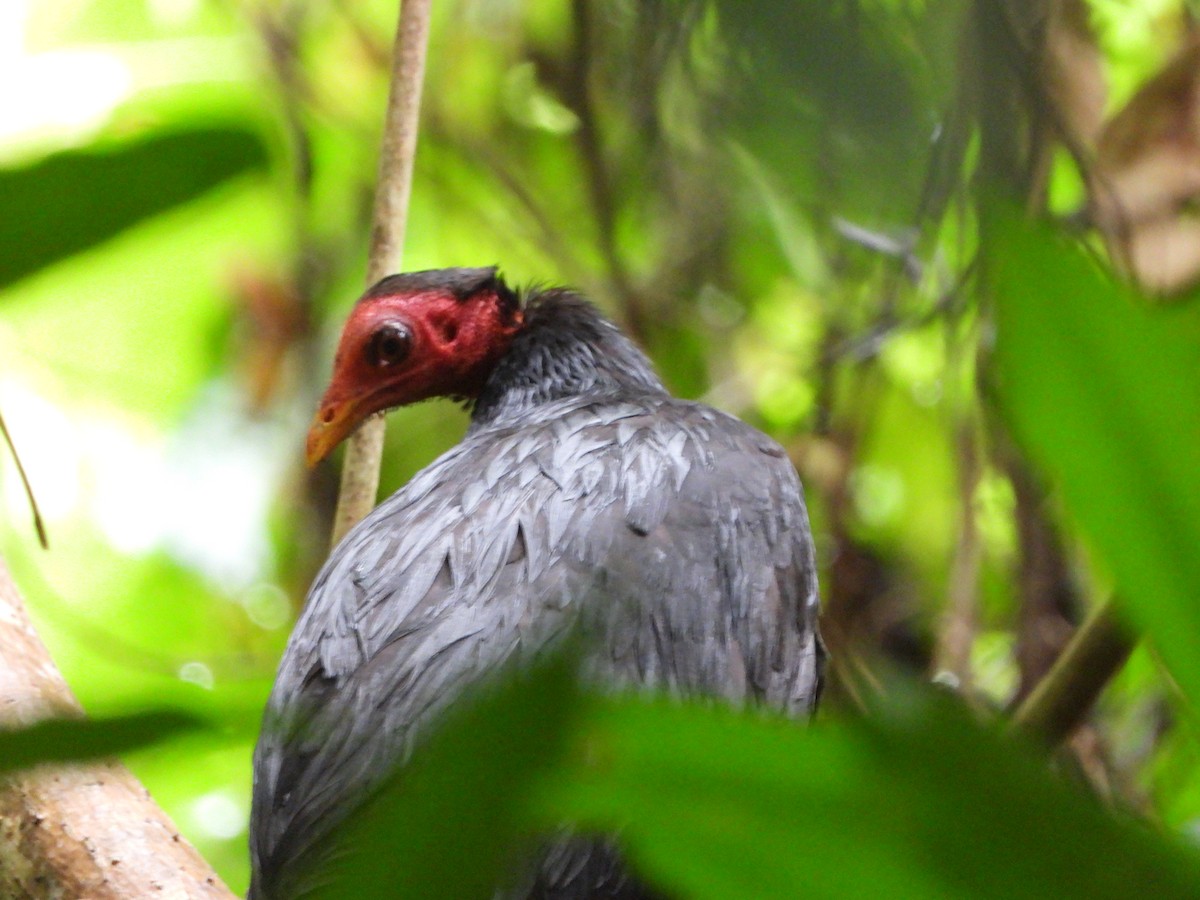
945 252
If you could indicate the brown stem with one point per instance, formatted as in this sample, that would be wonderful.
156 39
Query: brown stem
84 830
38 525
364 451
1062 699
961 620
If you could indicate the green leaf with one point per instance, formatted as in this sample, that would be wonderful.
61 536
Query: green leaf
70 201
452 824
1104 393
63 740
714 804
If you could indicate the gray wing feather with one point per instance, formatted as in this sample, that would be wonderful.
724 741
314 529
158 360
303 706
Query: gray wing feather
678 533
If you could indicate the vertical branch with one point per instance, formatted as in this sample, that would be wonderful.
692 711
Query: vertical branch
360 470
961 619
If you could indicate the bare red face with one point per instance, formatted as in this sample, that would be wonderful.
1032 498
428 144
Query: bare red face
404 348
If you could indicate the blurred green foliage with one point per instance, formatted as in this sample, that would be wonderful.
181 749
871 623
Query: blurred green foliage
778 200
67 202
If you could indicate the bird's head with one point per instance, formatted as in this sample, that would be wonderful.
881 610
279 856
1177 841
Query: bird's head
412 337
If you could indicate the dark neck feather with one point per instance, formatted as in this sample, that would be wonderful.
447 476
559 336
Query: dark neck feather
565 349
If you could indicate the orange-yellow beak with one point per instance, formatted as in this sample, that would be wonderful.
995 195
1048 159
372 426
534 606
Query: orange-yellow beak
333 423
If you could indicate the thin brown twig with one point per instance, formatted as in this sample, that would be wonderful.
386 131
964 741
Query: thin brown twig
364 452
961 618
38 524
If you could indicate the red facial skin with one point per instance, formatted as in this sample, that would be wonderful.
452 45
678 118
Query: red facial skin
454 345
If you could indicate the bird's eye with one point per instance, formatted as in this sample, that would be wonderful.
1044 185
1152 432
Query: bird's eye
389 345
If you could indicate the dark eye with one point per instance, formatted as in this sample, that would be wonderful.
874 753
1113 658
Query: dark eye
389 345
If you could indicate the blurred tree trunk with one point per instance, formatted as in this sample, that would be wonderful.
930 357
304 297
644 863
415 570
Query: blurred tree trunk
78 830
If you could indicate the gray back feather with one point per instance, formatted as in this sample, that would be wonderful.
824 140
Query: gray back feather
676 536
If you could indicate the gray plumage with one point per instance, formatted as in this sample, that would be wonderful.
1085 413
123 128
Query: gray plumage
674 535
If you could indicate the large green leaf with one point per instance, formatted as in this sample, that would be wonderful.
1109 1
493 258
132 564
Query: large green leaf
917 801
64 203
452 824
714 804
63 740
1104 392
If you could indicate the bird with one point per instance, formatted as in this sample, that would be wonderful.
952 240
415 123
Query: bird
583 497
